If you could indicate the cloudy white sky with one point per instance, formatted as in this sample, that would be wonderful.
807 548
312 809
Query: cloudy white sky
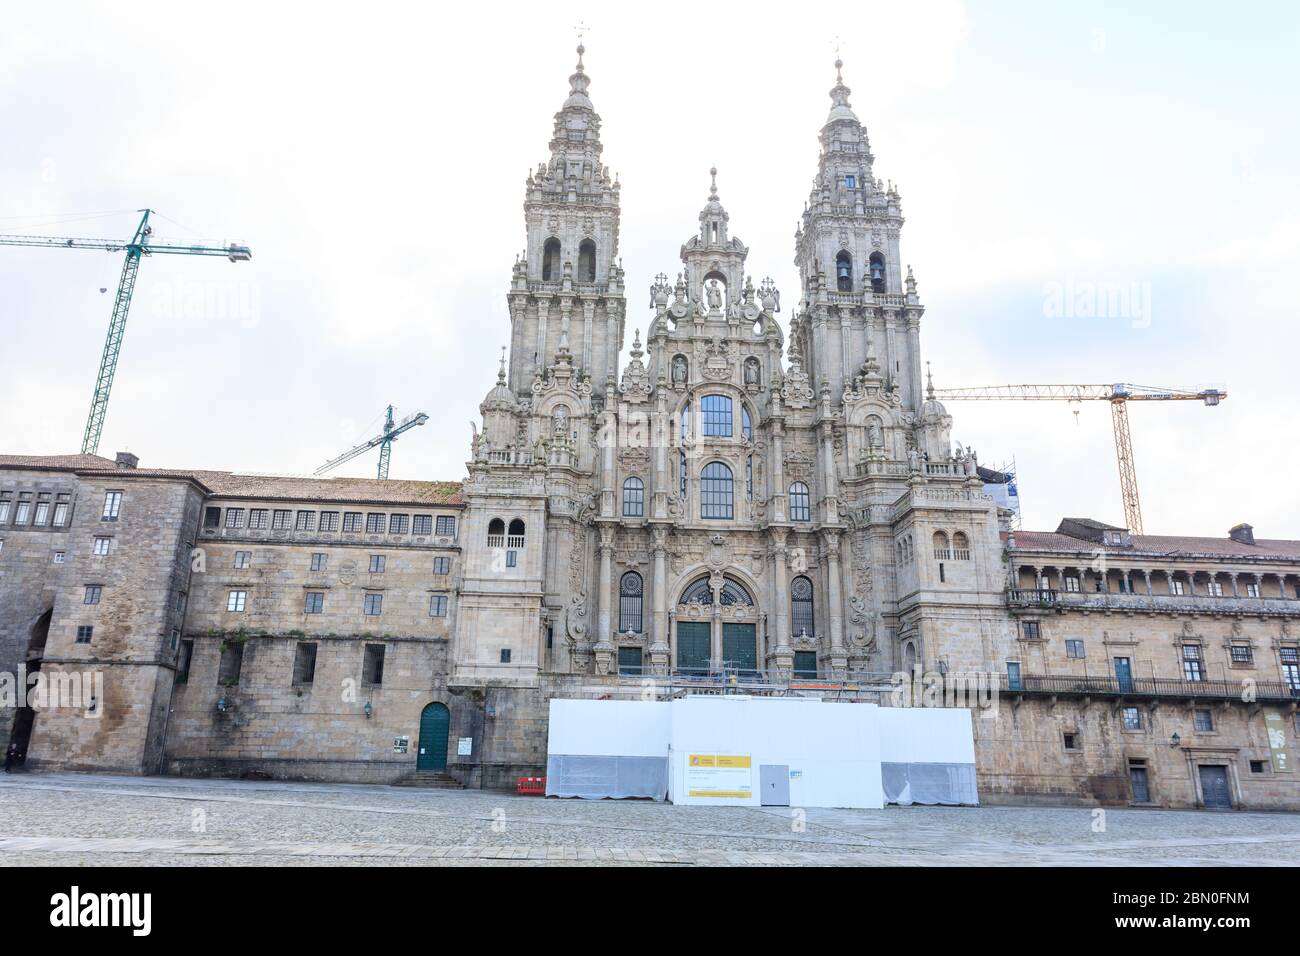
373 157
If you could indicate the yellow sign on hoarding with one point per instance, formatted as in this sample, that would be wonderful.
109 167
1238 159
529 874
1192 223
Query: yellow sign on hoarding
721 776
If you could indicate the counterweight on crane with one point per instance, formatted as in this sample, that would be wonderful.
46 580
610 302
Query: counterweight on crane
138 246
1119 395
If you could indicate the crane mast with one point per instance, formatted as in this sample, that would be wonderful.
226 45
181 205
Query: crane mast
384 440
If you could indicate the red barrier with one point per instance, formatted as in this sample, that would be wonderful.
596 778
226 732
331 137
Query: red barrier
532 786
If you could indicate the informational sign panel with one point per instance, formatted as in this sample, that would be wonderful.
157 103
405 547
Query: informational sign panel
726 776
401 744
464 746
1275 725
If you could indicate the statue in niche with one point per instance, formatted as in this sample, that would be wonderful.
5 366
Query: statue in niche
875 436
752 371
679 370
714 292
560 420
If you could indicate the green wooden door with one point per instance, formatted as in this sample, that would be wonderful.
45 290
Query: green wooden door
693 646
435 725
738 648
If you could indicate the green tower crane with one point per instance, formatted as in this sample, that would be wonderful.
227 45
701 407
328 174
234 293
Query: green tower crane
384 440
138 246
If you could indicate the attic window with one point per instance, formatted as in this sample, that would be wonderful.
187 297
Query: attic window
850 182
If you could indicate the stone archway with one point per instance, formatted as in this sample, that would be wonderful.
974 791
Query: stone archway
20 734
716 627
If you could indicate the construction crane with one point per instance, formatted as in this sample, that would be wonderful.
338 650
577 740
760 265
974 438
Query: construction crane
1119 395
384 440
138 246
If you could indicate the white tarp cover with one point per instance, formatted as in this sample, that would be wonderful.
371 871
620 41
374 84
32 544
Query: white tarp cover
607 748
927 756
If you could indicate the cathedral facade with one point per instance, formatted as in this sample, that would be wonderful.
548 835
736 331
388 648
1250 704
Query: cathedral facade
758 500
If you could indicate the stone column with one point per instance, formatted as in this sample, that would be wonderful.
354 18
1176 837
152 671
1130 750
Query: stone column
835 601
1146 576
659 649
715 622
781 658
604 644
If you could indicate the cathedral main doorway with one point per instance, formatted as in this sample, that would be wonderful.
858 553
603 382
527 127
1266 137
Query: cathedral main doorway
693 647
739 648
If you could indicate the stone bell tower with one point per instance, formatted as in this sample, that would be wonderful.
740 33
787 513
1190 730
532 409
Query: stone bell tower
566 291
859 301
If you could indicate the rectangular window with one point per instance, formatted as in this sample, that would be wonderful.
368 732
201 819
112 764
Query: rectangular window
5 504
1258 766
1031 630
1214 588
234 517
329 521
505 655
397 524
372 664
376 564
60 514
446 526
42 512
512 559
805 663
103 545
1204 721
236 600
1132 718
1290 658
243 559
259 519
112 505
84 633
1070 741
304 663
1074 649
1192 666
442 565
716 412
314 603
93 592
850 182
318 561
438 605
1241 654
422 524
1252 590
59 556
212 517
630 661
351 522
375 523
1176 587
1072 584
374 605
179 606
1013 675
306 521
283 516
232 662
183 662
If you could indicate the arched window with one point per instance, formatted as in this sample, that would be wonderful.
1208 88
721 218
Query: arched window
716 495
877 265
844 272
587 261
716 411
633 498
629 603
496 533
941 551
801 608
960 547
746 423
515 535
800 505
700 592
551 259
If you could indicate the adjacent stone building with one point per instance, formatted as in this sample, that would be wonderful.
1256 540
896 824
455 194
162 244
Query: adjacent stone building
750 501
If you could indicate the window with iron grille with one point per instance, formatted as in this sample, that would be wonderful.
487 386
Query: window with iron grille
1132 718
715 411
42 509
259 518
374 605
306 521
633 498
1074 649
329 521
800 503
24 511
446 526
375 523
442 565
438 605
630 593
801 608
1290 658
304 664
84 633
351 522
1192 665
236 600
93 592
234 517
397 524
283 518
1241 653
422 524
372 664
314 602
1031 630
1203 721
717 498
318 561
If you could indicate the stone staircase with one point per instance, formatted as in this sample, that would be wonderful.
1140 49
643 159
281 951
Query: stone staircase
431 780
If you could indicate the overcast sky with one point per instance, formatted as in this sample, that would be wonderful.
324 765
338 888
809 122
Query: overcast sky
374 156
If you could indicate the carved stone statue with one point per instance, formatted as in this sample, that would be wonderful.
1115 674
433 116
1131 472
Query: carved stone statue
875 437
679 370
560 420
751 371
715 295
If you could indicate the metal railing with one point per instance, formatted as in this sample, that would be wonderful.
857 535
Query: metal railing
1066 684
1128 601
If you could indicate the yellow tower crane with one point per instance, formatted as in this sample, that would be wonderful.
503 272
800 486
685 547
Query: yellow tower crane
1119 395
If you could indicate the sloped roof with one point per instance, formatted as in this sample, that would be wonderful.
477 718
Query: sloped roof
1161 544
232 485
